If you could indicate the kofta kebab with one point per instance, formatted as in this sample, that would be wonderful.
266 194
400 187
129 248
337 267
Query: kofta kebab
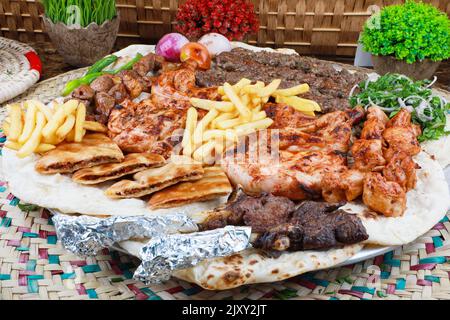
326 150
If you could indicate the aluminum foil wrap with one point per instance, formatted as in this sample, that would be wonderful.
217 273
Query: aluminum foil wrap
164 254
86 236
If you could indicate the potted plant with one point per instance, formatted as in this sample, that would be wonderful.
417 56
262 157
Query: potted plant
410 39
83 31
234 19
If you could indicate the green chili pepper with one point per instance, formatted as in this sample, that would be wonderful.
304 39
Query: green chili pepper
74 84
128 65
102 64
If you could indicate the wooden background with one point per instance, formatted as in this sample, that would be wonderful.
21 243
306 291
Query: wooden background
323 27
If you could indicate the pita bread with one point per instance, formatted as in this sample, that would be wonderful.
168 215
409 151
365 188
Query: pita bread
440 149
152 180
214 184
95 149
134 162
253 266
426 205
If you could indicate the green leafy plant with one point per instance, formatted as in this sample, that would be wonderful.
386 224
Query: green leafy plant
83 12
392 92
412 32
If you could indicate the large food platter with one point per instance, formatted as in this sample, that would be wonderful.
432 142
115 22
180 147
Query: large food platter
55 188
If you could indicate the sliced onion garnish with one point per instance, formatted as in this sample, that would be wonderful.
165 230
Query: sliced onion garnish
432 82
353 90
420 110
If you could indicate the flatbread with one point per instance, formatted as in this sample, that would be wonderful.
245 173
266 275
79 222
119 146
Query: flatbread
440 149
252 266
152 180
214 184
426 205
95 149
133 163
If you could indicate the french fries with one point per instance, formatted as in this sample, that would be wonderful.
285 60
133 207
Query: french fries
33 127
16 122
240 113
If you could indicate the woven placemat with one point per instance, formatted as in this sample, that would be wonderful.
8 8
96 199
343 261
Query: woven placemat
33 265
20 68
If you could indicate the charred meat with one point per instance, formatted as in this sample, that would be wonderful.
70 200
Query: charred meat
329 87
282 226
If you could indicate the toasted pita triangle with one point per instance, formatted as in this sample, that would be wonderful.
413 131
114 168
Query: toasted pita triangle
95 149
214 184
152 180
133 163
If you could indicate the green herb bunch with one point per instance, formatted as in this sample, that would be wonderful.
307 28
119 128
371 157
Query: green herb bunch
83 12
392 92
412 32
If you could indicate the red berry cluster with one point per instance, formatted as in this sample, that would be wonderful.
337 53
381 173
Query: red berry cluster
232 18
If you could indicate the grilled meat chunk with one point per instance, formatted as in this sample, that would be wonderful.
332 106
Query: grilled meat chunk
103 83
83 92
401 169
134 83
104 103
150 62
119 93
285 116
368 155
281 226
384 196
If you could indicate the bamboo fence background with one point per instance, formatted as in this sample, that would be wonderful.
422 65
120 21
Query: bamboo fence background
310 26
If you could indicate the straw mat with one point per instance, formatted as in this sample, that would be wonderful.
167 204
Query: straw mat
33 265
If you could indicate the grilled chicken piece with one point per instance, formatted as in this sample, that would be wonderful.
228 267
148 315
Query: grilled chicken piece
285 116
401 135
346 185
144 127
375 124
368 155
402 169
402 139
386 197
297 170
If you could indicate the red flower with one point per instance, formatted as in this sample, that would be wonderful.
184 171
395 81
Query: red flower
232 18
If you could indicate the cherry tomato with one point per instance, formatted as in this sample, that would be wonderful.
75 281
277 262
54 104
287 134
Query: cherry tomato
197 52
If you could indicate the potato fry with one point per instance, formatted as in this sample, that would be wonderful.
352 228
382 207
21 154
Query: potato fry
67 126
202 125
300 104
48 113
16 122
204 153
56 121
222 117
294 91
265 91
241 84
33 143
259 116
71 136
228 124
70 106
221 134
42 148
223 106
191 123
52 139
13 145
30 122
253 126
79 122
242 108
94 126
6 128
